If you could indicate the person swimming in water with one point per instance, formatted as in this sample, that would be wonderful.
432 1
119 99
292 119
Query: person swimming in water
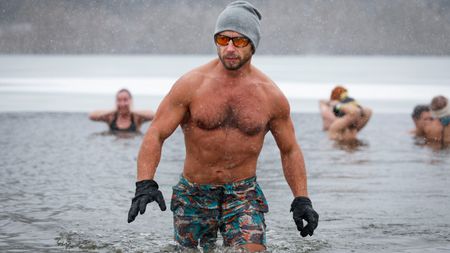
343 117
438 130
421 116
122 119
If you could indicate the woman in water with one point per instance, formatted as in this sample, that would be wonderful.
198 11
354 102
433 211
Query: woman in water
123 119
342 116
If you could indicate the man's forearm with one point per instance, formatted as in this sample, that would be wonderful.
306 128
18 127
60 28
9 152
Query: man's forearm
149 156
295 172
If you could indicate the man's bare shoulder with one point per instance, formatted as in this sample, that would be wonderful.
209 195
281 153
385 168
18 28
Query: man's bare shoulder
190 82
275 96
266 82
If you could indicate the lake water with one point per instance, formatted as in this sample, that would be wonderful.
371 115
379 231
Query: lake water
66 183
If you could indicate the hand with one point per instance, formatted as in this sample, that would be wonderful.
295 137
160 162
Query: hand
146 192
302 210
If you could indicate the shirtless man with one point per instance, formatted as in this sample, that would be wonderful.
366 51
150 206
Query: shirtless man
225 108
438 130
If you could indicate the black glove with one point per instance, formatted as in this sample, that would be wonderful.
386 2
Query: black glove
303 210
146 192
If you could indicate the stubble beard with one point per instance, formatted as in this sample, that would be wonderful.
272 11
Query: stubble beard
236 66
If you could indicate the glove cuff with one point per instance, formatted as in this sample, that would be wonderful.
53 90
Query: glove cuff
300 201
147 184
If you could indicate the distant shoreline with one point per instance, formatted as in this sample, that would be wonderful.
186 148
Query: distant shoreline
85 83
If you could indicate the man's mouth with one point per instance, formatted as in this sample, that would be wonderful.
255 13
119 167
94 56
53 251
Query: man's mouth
231 58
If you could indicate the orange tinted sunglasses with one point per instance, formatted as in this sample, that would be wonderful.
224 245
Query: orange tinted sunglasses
223 40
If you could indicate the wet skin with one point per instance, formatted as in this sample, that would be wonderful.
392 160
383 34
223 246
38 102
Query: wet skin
434 131
424 119
347 127
225 109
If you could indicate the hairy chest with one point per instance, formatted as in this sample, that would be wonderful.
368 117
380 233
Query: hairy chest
240 110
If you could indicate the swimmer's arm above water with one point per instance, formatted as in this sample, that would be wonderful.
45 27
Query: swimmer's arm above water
326 111
102 115
324 103
144 116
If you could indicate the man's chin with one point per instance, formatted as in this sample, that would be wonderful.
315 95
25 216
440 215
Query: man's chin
231 66
228 67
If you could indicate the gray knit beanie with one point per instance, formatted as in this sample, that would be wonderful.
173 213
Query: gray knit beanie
241 17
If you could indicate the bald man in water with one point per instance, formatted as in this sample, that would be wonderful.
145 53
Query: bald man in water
225 108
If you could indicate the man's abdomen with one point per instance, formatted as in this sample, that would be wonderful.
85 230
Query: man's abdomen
221 156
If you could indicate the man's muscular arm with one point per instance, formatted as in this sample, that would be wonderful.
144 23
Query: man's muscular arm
293 163
169 115
292 160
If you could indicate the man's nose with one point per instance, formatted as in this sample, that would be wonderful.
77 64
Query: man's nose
230 47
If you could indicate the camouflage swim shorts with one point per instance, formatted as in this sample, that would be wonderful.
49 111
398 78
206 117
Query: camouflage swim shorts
235 209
